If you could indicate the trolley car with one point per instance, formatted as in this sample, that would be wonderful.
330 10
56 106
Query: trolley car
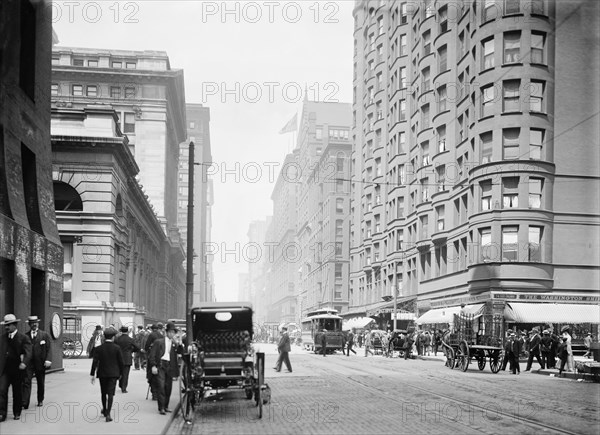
221 355
319 322
71 336
478 337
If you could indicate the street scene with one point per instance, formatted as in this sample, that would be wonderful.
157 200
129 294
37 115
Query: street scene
353 216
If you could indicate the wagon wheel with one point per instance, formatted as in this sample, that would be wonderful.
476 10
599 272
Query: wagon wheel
481 359
450 360
260 369
187 394
496 358
463 356
68 348
77 349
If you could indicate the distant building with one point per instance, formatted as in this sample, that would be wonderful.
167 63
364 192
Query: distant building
31 255
198 131
256 254
243 287
476 159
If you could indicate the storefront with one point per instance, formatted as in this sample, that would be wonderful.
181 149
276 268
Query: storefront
381 314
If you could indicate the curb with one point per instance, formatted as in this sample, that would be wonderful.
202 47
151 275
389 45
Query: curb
570 375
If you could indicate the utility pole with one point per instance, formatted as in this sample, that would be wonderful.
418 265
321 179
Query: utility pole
189 285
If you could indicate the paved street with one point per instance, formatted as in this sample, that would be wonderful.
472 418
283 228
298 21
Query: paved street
339 394
335 394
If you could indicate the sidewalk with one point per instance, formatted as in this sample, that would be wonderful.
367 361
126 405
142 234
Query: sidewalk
72 406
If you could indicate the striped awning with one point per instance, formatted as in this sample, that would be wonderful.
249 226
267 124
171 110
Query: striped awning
446 315
519 312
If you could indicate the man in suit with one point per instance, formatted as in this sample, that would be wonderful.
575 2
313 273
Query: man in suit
127 346
41 356
534 349
139 358
96 340
350 343
507 348
15 357
284 349
108 367
152 337
516 346
162 361
324 342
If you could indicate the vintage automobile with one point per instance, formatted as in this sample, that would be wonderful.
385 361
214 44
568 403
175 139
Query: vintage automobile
221 355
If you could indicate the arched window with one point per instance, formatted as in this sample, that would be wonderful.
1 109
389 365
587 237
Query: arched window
66 198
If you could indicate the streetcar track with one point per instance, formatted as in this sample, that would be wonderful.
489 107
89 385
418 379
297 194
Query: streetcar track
522 419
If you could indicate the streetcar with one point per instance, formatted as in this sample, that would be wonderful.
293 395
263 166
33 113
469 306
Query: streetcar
314 325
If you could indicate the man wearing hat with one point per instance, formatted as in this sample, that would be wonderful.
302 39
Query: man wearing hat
546 349
108 367
96 340
162 361
139 359
534 349
15 357
128 346
587 341
507 347
284 349
41 356
152 337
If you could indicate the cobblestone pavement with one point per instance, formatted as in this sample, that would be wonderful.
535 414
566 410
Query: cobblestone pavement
352 395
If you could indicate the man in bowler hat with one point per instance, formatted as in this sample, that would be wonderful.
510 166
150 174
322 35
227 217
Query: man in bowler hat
108 367
151 338
284 349
15 357
127 346
162 361
41 360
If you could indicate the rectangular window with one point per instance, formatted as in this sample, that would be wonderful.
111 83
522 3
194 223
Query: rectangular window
426 79
129 92
402 110
91 91
537 7
426 43
77 62
489 10
535 192
30 188
488 53
512 47
92 63
512 7
402 82
510 243
486 147
130 65
510 192
440 211
116 64
441 136
538 44
486 195
536 140
441 177
403 50
425 153
128 122
487 101
443 19
536 97
77 90
442 59
510 143
442 99
339 205
115 92
56 61
535 241
485 240
425 118
403 14
510 96
54 89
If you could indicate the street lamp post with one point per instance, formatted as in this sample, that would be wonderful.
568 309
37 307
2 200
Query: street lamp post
189 285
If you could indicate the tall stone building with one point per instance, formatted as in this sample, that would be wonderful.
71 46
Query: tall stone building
31 255
198 131
475 157
119 265
122 270
256 254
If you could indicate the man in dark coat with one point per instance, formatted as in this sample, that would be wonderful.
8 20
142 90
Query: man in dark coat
139 358
127 346
324 342
515 351
507 347
15 357
96 340
534 349
162 361
108 367
350 343
41 359
154 335
284 349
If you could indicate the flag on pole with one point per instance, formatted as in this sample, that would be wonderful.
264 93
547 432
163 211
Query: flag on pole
290 126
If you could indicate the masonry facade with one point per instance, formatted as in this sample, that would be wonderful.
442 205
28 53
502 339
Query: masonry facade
472 135
31 255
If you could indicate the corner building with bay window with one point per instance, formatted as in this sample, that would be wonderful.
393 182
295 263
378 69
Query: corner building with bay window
476 159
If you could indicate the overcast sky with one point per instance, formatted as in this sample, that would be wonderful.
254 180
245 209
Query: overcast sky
247 61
